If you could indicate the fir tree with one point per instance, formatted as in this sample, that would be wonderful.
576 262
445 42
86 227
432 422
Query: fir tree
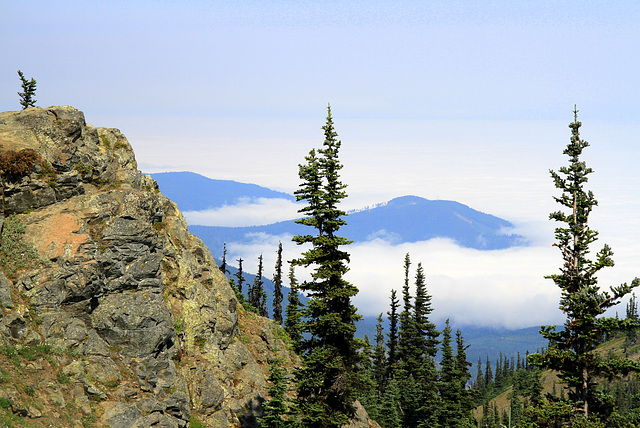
277 290
223 265
426 334
405 333
326 382
239 275
257 295
276 407
379 358
632 308
572 350
368 387
293 323
392 344
448 383
462 371
390 416
29 91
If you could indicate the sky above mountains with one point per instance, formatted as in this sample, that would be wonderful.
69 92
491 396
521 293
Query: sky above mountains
458 100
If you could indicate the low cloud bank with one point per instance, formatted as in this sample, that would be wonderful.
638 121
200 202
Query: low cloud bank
498 288
249 212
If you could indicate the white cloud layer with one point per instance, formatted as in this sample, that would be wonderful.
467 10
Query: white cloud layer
254 212
501 288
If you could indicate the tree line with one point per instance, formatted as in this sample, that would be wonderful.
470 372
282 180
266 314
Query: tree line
398 378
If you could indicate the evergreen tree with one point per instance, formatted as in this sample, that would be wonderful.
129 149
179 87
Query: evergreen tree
462 371
479 382
405 332
223 265
276 407
293 323
29 91
367 387
572 350
632 308
392 344
257 295
426 334
390 416
326 382
277 290
488 377
239 275
379 357
448 384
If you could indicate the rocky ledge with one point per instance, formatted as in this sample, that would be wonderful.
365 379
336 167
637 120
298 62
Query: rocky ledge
113 314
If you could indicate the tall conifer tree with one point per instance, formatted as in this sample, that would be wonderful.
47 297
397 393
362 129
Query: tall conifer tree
293 311
277 287
392 343
239 275
326 382
572 350
223 265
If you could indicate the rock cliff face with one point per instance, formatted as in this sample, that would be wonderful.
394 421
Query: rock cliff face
122 318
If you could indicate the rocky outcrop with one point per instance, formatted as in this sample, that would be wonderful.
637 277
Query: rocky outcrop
123 319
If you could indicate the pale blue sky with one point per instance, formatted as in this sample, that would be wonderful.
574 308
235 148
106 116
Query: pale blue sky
461 100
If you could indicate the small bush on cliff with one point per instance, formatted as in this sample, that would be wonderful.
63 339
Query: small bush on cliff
17 164
15 253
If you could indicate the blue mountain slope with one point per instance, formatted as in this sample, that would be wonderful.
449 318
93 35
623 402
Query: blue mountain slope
194 192
404 219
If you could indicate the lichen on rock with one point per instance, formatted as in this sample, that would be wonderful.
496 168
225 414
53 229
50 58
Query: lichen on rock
130 319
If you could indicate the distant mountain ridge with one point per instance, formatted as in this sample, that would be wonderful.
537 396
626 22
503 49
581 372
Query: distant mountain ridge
195 192
403 219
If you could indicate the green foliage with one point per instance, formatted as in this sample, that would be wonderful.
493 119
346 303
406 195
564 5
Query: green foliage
5 403
179 325
62 378
257 295
195 423
293 322
572 350
326 382
104 140
15 253
28 91
277 287
277 407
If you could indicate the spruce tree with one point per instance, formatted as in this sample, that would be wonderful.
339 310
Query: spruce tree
379 357
390 416
572 350
426 335
293 322
367 386
276 408
405 333
277 288
462 371
257 295
239 275
392 343
326 381
28 91
448 385
223 265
